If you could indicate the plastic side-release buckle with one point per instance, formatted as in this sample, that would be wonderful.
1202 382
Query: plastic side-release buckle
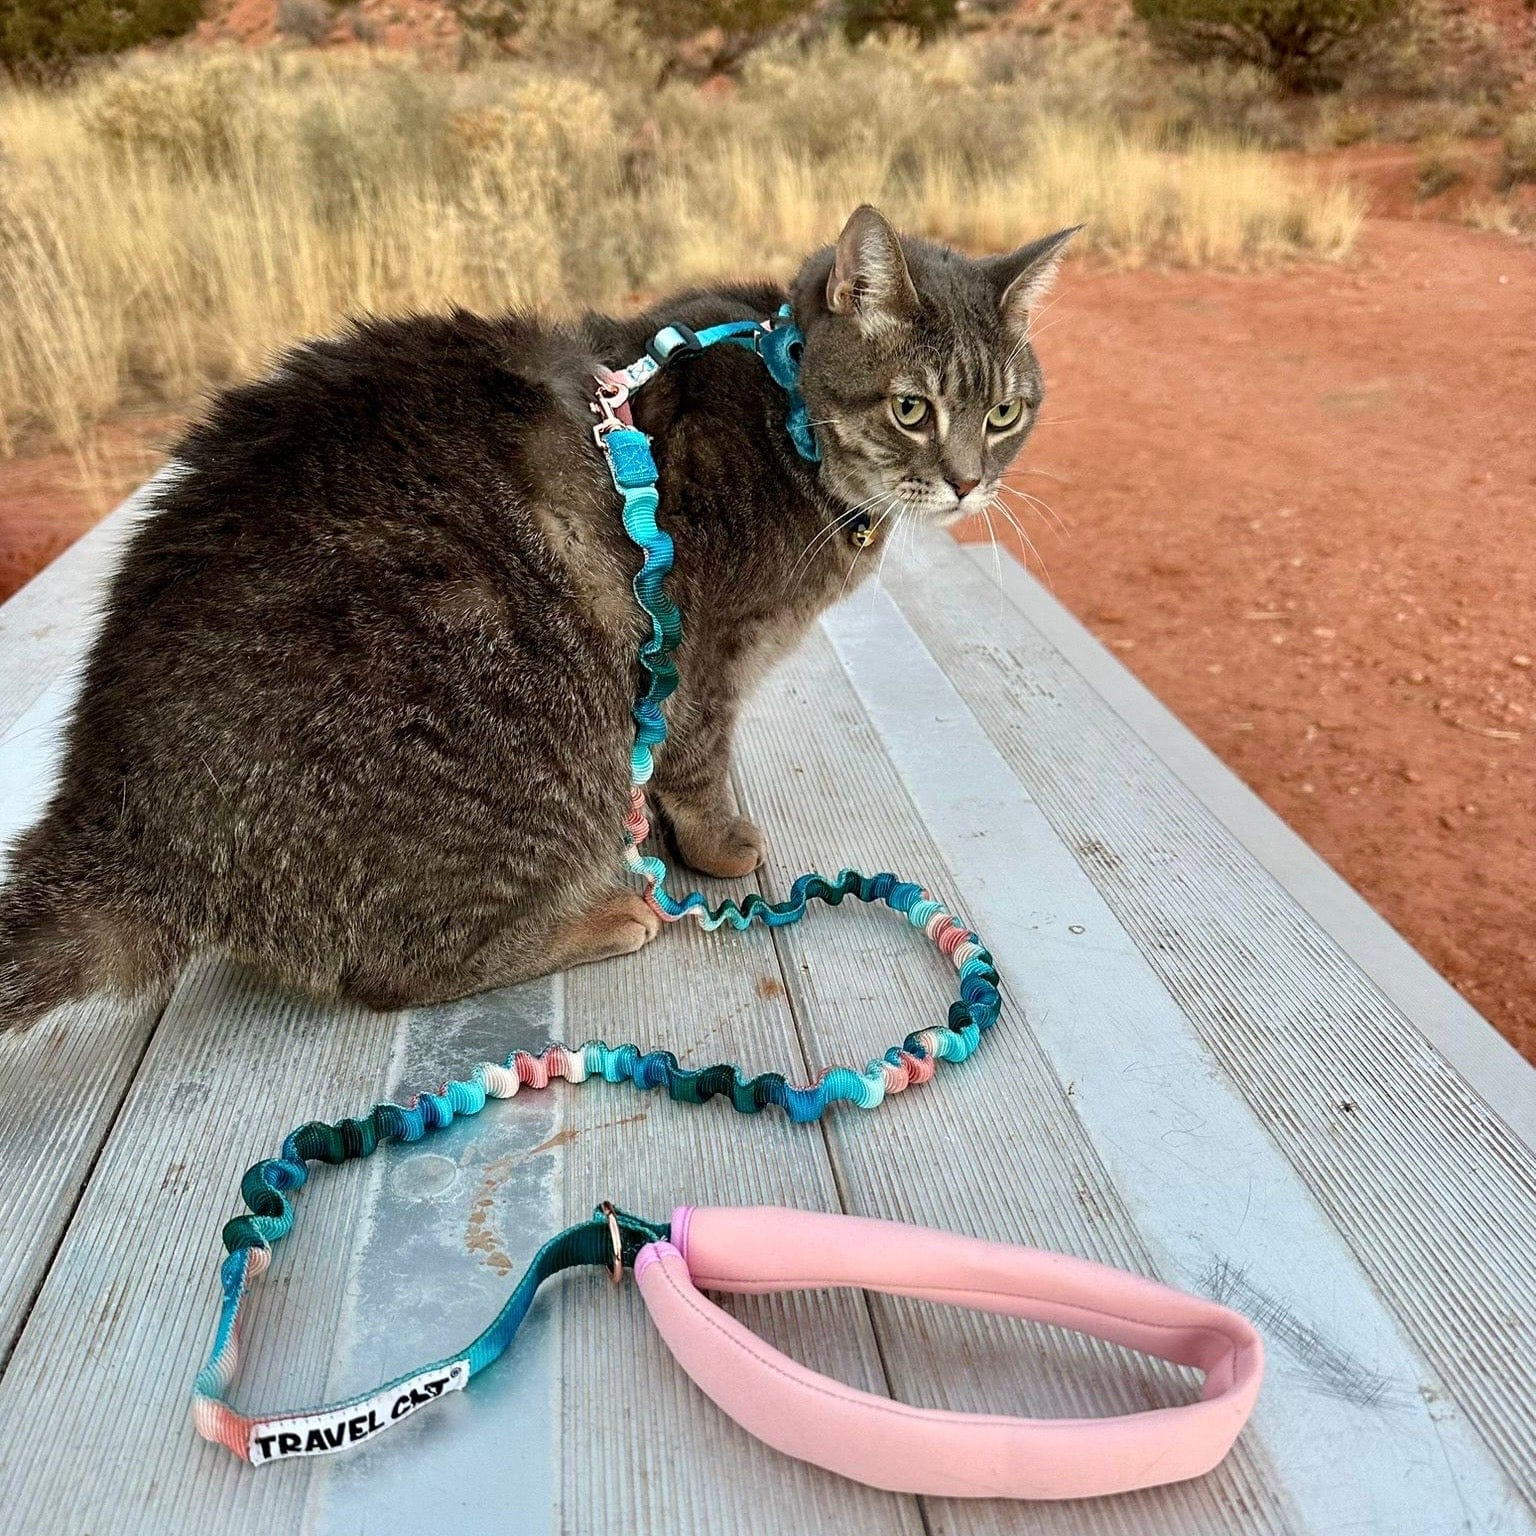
672 340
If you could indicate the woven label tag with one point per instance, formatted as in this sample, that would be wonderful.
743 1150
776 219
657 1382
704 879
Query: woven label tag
319 1434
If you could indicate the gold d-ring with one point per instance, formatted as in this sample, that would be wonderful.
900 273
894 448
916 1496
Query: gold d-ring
616 1268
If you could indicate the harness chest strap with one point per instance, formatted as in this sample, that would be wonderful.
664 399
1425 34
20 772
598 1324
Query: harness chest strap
866 1438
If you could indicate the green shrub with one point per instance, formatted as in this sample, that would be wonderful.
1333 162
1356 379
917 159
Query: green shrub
46 37
1425 49
927 18
736 18
1442 164
496 20
568 32
1435 117
1306 44
1519 162
355 144
1237 99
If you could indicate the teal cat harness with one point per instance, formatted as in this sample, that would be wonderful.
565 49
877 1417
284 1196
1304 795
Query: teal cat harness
267 1188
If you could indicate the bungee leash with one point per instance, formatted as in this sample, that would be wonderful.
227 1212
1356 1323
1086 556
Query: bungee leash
267 1187
870 1439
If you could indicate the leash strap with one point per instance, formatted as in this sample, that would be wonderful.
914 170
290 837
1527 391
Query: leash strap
870 1439
611 1238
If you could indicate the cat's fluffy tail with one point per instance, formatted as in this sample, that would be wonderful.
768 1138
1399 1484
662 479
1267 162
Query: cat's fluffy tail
57 945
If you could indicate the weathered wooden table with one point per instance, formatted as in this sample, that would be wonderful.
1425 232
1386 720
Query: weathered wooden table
1216 1065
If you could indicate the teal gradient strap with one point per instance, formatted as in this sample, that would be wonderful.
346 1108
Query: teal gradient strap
635 476
611 1238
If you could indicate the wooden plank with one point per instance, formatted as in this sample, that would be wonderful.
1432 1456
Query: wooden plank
79 1063
61 1083
369 1296
446 1228
643 1449
1432 1190
1179 1118
993 1147
1459 1032
60 1087
1100 1154
392 1264
94 1425
47 627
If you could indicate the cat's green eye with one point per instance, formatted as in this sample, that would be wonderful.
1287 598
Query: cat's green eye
1005 415
909 411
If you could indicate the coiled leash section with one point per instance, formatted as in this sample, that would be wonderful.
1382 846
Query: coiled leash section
267 1187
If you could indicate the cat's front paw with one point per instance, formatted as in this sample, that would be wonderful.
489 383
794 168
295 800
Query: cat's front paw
729 849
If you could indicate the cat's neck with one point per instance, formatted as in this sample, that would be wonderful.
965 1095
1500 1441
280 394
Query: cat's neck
755 530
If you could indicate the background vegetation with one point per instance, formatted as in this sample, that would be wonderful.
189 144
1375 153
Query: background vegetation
169 219
45 37
168 223
1302 43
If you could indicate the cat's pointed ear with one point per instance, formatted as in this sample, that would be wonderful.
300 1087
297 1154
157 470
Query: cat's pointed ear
1024 277
869 280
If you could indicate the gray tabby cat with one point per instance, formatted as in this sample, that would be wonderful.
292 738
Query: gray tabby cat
359 711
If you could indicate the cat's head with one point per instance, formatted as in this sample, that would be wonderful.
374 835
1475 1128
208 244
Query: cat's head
918 370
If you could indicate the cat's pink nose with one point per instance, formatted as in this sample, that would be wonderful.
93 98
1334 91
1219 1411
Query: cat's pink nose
963 488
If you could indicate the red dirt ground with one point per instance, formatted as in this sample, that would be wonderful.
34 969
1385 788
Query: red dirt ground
1302 506
48 500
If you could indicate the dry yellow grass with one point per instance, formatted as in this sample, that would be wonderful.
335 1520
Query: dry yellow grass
169 224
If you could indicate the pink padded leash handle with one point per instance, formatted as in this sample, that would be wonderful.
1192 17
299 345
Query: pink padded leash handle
920 1450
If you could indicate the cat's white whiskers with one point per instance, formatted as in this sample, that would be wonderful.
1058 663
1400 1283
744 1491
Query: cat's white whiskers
896 505
1043 507
997 554
1018 347
1039 507
899 508
997 557
821 537
1031 330
1034 328
1029 543
901 514
889 498
829 530
1036 331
